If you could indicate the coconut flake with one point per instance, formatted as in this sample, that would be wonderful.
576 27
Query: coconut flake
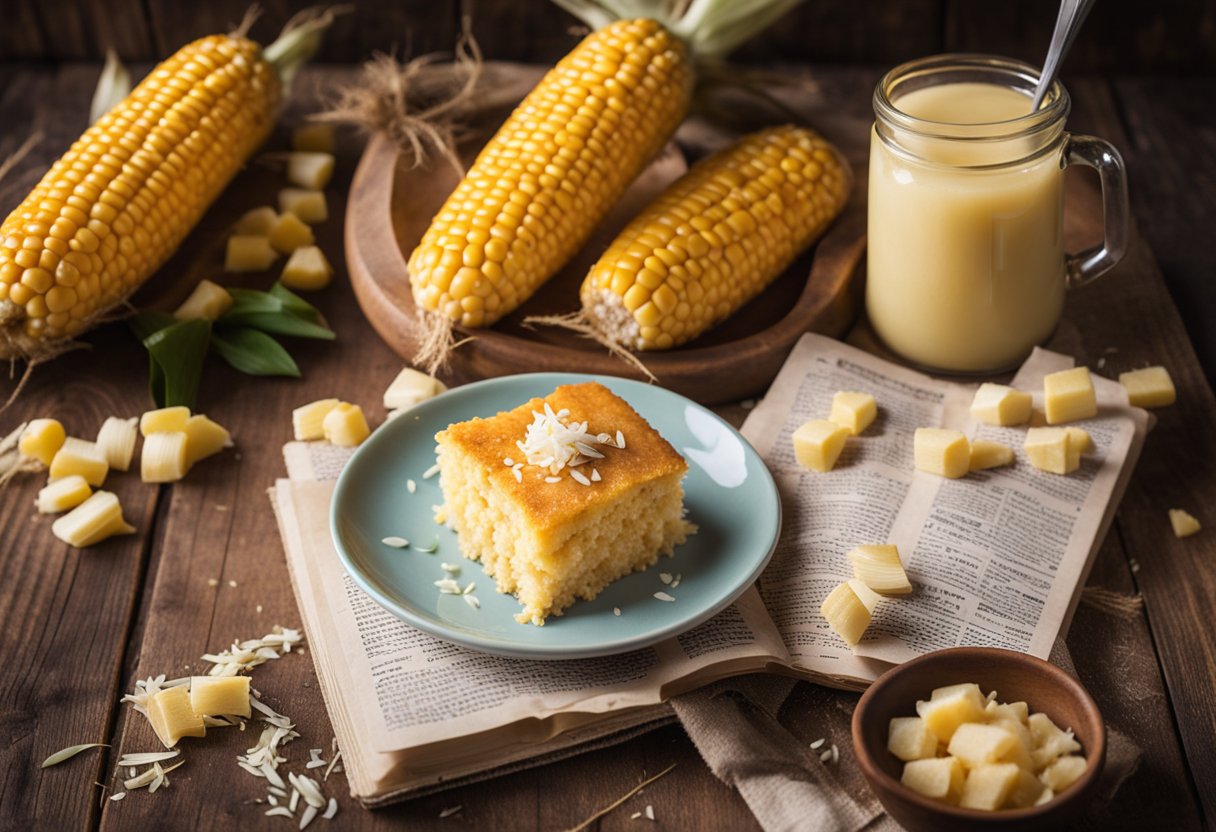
579 478
411 486
472 601
395 542
663 596
331 809
430 472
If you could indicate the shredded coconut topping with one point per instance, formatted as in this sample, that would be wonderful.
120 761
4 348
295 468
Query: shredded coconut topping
552 442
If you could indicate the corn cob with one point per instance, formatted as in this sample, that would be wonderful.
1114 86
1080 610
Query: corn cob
552 172
715 238
113 208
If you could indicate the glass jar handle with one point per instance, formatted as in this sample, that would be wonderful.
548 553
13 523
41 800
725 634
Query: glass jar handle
1100 155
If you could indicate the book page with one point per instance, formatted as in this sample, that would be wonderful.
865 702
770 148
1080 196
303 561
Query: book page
995 558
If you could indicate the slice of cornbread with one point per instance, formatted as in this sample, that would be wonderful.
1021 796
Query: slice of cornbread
549 522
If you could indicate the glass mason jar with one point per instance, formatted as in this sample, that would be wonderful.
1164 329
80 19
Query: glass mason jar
966 264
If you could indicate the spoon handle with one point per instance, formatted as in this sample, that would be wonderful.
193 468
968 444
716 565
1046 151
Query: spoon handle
1068 23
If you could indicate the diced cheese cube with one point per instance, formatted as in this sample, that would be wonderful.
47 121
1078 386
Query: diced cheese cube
989 786
310 170
910 739
986 454
63 494
314 138
1063 773
411 387
855 411
204 438
868 597
290 233
1079 442
165 419
1013 711
950 707
220 695
116 441
97 518
207 302
998 404
41 440
940 778
846 614
307 270
1069 395
1183 523
171 716
1048 449
818 443
345 425
79 456
307 421
164 457
1020 753
1050 741
879 567
249 253
257 222
307 205
977 743
1026 791
946 453
1150 387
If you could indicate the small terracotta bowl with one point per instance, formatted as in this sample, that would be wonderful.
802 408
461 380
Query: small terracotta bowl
1015 677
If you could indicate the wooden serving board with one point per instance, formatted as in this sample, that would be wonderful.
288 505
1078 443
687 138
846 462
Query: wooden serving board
391 204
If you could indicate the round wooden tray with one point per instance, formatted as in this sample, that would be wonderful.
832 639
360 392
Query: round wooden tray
392 204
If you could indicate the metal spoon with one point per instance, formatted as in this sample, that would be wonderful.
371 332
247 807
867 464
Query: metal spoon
1068 23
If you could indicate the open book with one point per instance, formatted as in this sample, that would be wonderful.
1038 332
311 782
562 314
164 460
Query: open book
996 558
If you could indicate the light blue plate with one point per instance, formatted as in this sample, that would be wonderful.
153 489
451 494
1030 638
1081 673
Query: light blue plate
730 495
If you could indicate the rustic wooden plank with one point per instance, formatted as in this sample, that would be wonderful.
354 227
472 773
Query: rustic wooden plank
66 612
21 38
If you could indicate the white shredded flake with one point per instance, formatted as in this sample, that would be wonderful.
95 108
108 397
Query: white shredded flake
579 478
447 586
518 476
649 808
635 816
148 758
472 601
665 577
553 479
663 596
825 756
595 475
620 439
450 568
310 812
118 795
553 443
278 811
430 472
411 486
675 582
395 542
213 582
817 743
507 461
331 809
835 753
448 812
616 611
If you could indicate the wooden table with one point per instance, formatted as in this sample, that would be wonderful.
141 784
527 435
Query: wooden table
80 627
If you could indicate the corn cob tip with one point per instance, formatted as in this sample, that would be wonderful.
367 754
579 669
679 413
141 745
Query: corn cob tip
601 330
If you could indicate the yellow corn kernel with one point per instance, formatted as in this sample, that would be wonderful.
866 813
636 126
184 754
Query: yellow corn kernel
410 388
943 452
1183 523
63 494
166 419
310 170
164 457
257 222
307 421
220 695
878 567
97 518
307 270
846 614
289 233
307 205
1068 396
1048 449
171 716
986 454
79 456
249 253
717 221
41 439
116 441
553 170
207 302
998 404
818 443
345 425
854 411
313 138
204 438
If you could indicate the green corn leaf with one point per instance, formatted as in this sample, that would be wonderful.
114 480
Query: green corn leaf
176 354
253 352
279 324
145 323
295 304
69 752
245 301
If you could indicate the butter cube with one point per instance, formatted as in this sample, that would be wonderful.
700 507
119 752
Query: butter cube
846 614
307 270
345 425
204 438
164 457
315 138
207 302
997 404
854 411
307 205
951 706
63 494
1079 442
219 695
249 253
1063 773
1049 449
164 420
41 440
307 421
1150 387
1026 791
310 170
878 567
985 454
410 388
171 716
1050 741
256 223
1020 753
1183 523
989 786
977 743
940 778
909 739
1012 711
289 233
97 518
1069 396
116 441
818 443
946 453
78 456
